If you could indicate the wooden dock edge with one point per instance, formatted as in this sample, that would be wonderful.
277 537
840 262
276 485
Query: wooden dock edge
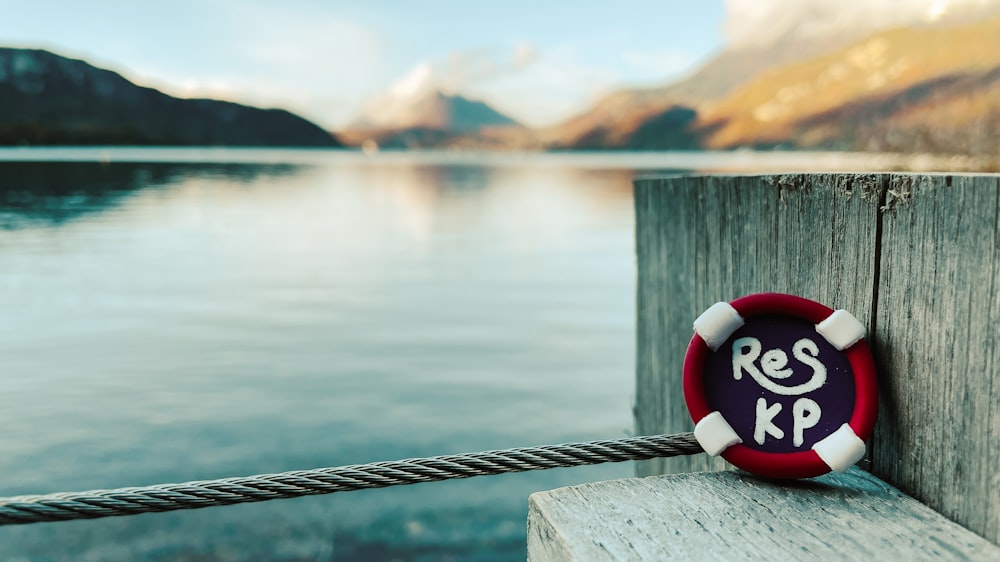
734 516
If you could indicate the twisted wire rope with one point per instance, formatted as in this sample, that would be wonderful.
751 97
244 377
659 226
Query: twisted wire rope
227 491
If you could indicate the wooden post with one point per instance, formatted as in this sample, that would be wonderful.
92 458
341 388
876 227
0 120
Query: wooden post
915 257
938 331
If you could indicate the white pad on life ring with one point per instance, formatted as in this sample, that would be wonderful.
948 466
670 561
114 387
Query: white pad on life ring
716 324
841 329
841 449
714 434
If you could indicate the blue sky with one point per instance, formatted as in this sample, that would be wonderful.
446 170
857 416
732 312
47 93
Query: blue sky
540 61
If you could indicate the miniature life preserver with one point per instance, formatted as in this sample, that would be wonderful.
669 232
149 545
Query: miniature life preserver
781 386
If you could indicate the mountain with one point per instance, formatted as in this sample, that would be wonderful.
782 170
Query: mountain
433 110
419 110
48 99
927 87
402 119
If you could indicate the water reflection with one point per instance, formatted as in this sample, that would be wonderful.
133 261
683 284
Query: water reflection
51 193
170 321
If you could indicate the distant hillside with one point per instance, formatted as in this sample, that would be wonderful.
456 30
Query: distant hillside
624 118
904 89
927 88
47 99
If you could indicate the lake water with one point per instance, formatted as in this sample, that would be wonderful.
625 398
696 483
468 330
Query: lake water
171 315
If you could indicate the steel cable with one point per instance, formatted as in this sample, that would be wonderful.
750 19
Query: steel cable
192 495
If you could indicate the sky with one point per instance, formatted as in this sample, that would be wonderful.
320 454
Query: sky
539 61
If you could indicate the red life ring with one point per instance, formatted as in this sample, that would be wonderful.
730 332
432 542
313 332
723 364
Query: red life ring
743 409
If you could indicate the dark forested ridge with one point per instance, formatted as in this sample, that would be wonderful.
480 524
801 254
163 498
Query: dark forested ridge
47 99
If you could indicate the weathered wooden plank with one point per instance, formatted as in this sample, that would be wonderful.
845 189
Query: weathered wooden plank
938 328
700 240
732 516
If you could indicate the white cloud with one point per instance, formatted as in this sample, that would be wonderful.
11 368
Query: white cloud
301 59
750 22
555 86
524 54
517 80
466 70
534 87
561 83
395 107
311 48
420 80
659 65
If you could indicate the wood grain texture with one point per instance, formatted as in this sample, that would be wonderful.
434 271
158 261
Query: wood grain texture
915 257
700 240
938 326
732 516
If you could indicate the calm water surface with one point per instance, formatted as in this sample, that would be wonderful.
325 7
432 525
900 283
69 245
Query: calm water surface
169 315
